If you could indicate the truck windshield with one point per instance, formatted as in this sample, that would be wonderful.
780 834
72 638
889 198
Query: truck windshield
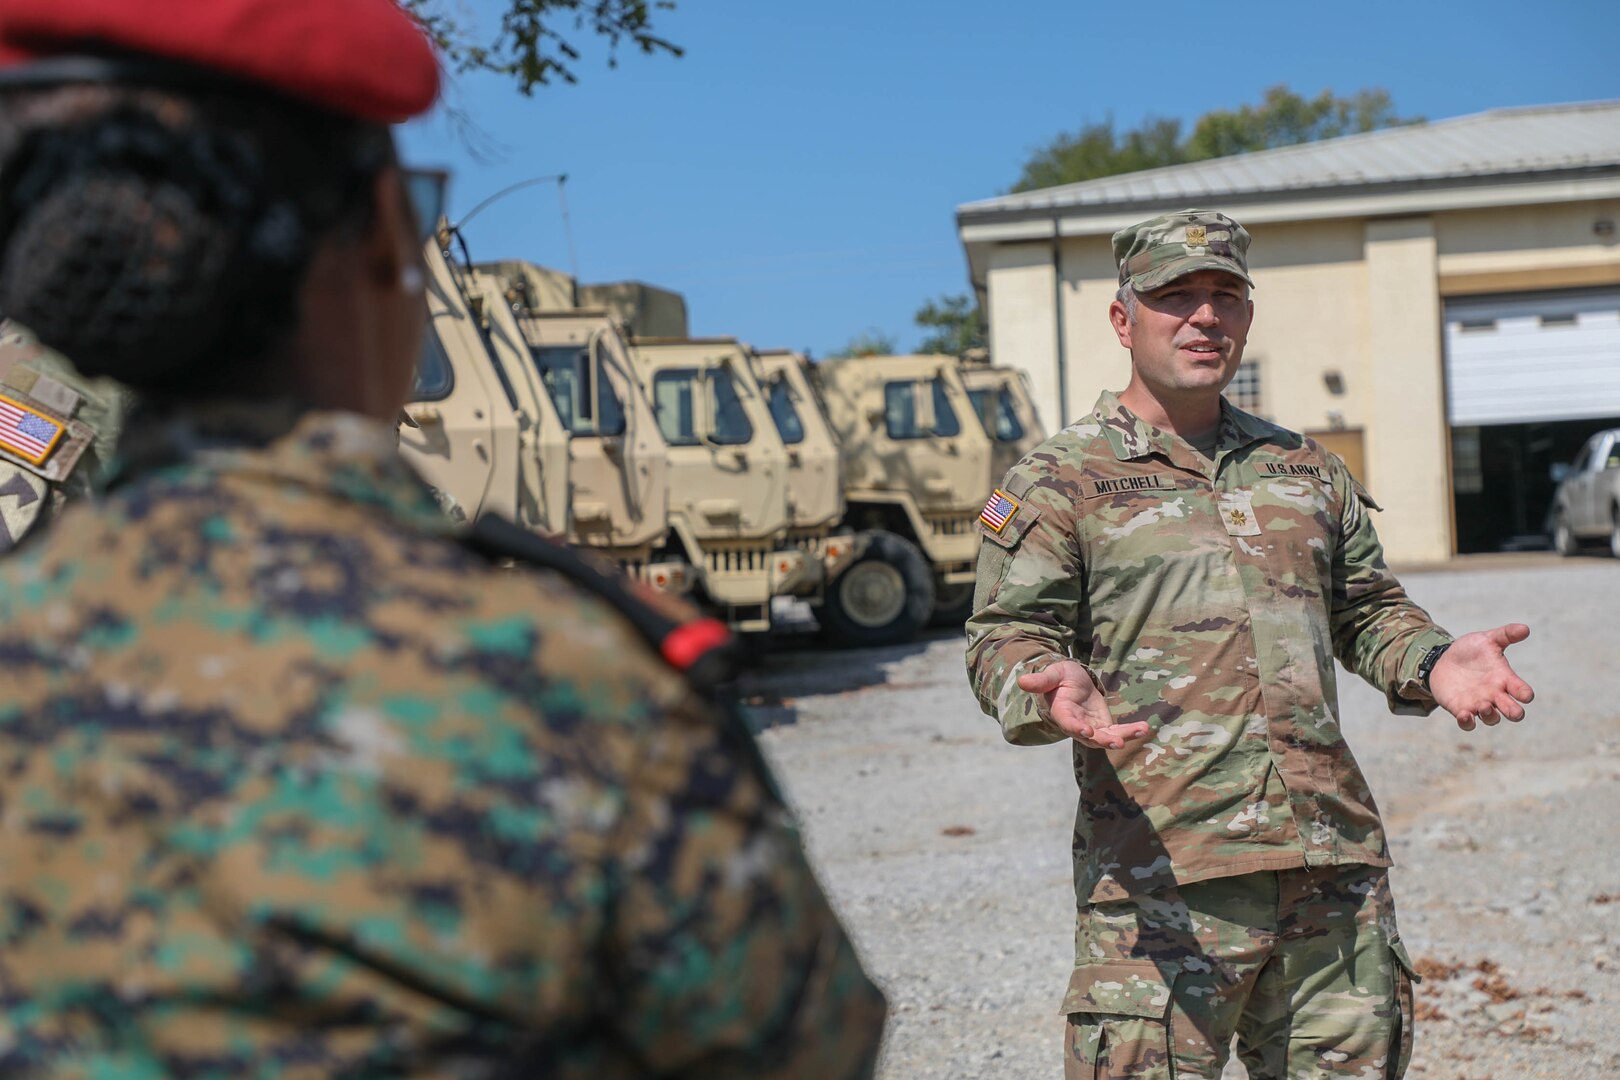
785 413
1003 424
561 368
900 411
673 392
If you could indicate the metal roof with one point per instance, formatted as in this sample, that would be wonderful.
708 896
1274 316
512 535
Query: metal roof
1519 143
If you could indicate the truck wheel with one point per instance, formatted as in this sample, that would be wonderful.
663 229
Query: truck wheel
1614 531
882 598
952 605
1563 536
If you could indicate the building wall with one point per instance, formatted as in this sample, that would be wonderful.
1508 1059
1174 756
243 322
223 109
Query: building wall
1408 441
1359 298
1019 308
1555 246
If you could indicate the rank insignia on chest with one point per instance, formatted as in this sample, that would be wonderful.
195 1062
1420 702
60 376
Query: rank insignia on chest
998 511
1238 518
28 432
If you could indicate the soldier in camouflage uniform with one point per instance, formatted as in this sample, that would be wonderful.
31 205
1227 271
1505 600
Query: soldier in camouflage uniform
65 429
298 784
1165 584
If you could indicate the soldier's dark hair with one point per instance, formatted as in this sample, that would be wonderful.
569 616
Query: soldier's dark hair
162 238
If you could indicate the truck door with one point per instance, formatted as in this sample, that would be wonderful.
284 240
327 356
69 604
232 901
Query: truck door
461 434
720 435
617 468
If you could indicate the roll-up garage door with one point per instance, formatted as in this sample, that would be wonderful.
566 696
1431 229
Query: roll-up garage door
1533 357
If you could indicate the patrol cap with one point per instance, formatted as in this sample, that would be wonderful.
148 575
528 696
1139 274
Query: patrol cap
364 59
1155 252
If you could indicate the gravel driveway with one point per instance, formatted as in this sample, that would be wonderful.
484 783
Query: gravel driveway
947 850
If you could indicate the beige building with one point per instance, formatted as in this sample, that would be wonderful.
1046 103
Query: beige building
1440 304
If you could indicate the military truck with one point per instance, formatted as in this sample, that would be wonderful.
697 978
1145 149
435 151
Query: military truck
1006 407
562 441
725 499
916 471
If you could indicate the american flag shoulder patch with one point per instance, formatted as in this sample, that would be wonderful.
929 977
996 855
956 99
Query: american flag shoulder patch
998 511
28 432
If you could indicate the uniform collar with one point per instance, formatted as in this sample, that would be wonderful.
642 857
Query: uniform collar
1133 438
343 455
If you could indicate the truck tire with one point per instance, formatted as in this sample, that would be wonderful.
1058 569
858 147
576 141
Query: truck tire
1614 530
882 598
952 605
1563 537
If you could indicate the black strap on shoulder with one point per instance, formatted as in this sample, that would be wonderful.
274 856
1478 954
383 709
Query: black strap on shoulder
701 649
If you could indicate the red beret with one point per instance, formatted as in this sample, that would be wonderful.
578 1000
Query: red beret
362 58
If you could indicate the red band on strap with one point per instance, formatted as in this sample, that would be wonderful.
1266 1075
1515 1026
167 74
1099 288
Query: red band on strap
688 642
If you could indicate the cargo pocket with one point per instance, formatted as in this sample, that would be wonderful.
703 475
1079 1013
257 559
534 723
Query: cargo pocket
1119 1021
1400 1045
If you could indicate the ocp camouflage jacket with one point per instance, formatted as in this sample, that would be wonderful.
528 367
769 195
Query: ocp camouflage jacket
1208 599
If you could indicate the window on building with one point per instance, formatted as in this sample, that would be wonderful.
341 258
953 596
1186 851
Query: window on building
1244 389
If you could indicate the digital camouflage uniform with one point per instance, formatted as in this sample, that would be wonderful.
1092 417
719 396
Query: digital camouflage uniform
1209 598
297 786
57 431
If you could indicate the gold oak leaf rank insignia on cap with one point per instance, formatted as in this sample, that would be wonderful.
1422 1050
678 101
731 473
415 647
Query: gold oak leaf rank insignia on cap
998 511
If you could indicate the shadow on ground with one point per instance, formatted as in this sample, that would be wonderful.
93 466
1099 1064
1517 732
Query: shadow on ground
790 667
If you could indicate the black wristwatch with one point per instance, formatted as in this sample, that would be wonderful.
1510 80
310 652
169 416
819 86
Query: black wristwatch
1426 665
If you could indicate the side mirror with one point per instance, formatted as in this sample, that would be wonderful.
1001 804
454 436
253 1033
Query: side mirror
923 396
1560 471
703 405
588 374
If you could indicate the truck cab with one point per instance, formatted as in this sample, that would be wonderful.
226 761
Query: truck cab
1005 406
728 472
917 463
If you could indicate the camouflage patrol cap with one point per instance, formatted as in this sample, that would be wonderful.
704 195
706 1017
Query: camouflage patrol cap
1155 252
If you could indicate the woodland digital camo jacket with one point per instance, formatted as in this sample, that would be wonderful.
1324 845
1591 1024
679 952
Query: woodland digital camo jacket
1212 608
297 786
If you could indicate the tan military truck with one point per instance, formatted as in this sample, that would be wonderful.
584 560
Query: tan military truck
562 442
725 497
916 474
1005 406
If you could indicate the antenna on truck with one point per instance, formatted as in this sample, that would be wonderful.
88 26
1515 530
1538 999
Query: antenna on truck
561 180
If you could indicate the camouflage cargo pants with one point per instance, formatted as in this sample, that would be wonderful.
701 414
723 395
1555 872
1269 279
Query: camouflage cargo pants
1305 967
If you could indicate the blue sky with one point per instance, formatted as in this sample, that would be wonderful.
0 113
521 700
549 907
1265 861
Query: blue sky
796 173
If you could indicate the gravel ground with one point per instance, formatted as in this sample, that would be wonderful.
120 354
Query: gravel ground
947 851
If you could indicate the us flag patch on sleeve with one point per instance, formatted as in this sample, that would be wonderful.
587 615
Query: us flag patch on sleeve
998 511
27 432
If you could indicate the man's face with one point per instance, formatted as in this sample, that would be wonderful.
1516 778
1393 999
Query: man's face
1188 336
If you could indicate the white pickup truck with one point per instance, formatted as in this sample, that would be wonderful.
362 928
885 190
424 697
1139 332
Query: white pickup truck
1587 504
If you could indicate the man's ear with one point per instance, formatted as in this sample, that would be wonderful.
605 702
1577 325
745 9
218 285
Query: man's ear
1122 322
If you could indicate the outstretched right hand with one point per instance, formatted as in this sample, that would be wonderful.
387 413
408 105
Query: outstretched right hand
1076 705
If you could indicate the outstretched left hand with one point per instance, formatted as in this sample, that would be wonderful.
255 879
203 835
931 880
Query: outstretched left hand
1473 680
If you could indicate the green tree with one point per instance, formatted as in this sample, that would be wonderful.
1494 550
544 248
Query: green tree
536 40
873 342
953 324
1282 118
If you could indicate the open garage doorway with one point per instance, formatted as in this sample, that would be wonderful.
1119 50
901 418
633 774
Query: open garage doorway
1502 483
1529 377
